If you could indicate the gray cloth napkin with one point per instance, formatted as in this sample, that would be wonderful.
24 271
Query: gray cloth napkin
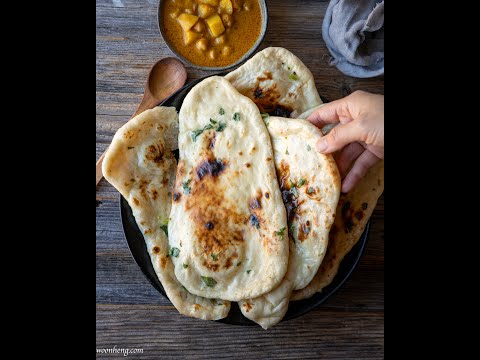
354 33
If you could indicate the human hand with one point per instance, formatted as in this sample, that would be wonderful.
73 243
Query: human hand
359 136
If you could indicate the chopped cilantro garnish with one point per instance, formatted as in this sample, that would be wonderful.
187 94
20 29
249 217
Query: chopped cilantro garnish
221 126
294 191
210 282
293 76
174 252
281 232
186 188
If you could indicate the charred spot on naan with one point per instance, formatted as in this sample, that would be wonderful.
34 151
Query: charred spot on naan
210 167
129 134
255 206
229 261
143 189
148 191
267 76
155 153
304 231
281 111
350 215
289 199
256 202
163 261
290 202
211 141
248 306
267 98
283 173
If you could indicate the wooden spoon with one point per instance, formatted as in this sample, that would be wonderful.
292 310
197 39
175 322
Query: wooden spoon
166 76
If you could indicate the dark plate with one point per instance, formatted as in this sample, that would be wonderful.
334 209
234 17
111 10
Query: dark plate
136 243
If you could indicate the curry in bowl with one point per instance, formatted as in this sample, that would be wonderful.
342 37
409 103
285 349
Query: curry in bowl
211 33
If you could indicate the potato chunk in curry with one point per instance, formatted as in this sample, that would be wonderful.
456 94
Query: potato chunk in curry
226 6
215 25
204 11
187 21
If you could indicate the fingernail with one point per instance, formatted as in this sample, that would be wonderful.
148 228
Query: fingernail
322 145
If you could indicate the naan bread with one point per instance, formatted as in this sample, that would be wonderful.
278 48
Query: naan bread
310 185
140 165
227 204
353 211
278 82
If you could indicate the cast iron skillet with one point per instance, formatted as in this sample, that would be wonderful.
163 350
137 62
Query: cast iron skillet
136 243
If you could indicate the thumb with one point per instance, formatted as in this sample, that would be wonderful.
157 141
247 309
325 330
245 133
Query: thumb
340 136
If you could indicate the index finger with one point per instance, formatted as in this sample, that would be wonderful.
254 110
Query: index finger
329 113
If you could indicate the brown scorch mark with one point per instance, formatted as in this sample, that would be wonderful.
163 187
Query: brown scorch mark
248 306
209 167
304 231
282 111
349 214
267 97
155 153
268 76
211 141
359 215
163 261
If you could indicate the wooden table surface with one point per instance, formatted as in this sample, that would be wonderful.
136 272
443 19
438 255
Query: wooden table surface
129 311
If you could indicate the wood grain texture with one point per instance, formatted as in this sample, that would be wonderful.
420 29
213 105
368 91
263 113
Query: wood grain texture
130 313
324 334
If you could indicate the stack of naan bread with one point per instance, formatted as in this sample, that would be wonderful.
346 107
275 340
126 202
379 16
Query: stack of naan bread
251 212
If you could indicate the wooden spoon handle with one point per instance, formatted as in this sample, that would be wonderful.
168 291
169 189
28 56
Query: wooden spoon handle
147 103
98 167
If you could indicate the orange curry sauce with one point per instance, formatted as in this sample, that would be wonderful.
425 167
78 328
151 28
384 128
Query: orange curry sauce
239 35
